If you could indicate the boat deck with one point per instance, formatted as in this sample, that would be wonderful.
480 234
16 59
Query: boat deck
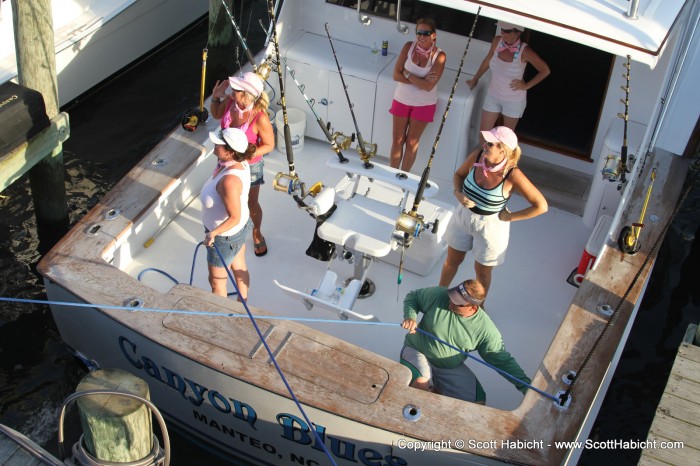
676 417
528 299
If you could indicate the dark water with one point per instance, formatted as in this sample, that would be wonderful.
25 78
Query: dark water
116 124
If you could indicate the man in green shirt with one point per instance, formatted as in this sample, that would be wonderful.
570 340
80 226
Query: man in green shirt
456 317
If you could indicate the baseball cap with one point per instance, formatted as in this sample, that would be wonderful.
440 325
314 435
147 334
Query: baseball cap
505 25
461 297
249 82
232 137
502 134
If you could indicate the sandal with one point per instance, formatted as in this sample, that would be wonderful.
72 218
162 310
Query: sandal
260 248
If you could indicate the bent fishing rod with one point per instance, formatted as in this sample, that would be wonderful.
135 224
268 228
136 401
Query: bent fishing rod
363 147
410 223
338 140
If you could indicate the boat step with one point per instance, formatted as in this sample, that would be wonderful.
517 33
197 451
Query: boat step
563 188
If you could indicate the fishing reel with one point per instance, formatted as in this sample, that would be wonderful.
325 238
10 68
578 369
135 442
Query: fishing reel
193 118
263 70
410 225
370 150
613 168
286 183
342 141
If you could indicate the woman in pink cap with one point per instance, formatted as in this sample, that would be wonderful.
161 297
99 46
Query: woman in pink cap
481 222
246 108
418 69
507 93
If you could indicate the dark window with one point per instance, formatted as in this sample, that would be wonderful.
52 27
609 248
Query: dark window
563 110
446 19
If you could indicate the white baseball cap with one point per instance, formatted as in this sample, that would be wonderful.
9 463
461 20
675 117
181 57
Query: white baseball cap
232 137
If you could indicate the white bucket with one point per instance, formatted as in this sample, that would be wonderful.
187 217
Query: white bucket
297 126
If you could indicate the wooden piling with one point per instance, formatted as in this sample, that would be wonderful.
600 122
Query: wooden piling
116 429
36 68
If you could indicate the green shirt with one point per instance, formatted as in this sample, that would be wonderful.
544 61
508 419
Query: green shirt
477 332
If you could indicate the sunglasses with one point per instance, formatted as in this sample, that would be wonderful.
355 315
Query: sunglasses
423 33
491 144
509 31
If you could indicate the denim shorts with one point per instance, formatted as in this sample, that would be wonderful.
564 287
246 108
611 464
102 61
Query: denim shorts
228 246
256 173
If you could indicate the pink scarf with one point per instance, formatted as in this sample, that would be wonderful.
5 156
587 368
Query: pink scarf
222 166
511 48
242 111
423 52
486 169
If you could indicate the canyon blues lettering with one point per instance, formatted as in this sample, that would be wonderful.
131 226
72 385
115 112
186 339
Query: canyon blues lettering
196 394
297 430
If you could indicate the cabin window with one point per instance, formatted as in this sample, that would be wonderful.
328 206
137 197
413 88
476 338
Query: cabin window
562 111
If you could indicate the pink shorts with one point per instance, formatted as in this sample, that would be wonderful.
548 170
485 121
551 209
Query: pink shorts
421 113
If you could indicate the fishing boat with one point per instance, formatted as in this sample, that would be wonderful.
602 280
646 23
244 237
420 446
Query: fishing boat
307 379
96 38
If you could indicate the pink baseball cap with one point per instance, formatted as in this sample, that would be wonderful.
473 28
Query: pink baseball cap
501 134
249 82
232 137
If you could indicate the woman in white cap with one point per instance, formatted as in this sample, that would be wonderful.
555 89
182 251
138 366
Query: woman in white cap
225 212
481 222
507 93
417 70
246 108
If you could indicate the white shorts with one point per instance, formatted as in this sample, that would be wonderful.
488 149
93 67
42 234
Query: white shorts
486 235
509 109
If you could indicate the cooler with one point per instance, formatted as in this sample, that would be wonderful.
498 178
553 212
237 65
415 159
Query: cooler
593 247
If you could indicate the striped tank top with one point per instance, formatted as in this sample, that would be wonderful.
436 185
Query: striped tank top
488 201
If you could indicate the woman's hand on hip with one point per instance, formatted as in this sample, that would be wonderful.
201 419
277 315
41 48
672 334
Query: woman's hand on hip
464 200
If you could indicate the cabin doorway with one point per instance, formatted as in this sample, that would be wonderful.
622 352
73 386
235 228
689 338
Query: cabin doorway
563 111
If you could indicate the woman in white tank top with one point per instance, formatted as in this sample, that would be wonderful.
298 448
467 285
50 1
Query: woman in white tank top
507 93
417 70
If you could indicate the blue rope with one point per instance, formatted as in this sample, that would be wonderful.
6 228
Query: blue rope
545 394
293 319
194 262
273 359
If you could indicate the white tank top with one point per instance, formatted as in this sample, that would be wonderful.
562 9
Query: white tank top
408 94
213 208
503 72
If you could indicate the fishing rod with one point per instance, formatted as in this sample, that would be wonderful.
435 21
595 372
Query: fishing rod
286 182
338 140
410 224
362 146
625 118
629 235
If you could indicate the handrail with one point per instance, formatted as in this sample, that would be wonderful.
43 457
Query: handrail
364 19
402 28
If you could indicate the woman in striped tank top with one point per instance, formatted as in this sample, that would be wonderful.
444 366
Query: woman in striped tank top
481 222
